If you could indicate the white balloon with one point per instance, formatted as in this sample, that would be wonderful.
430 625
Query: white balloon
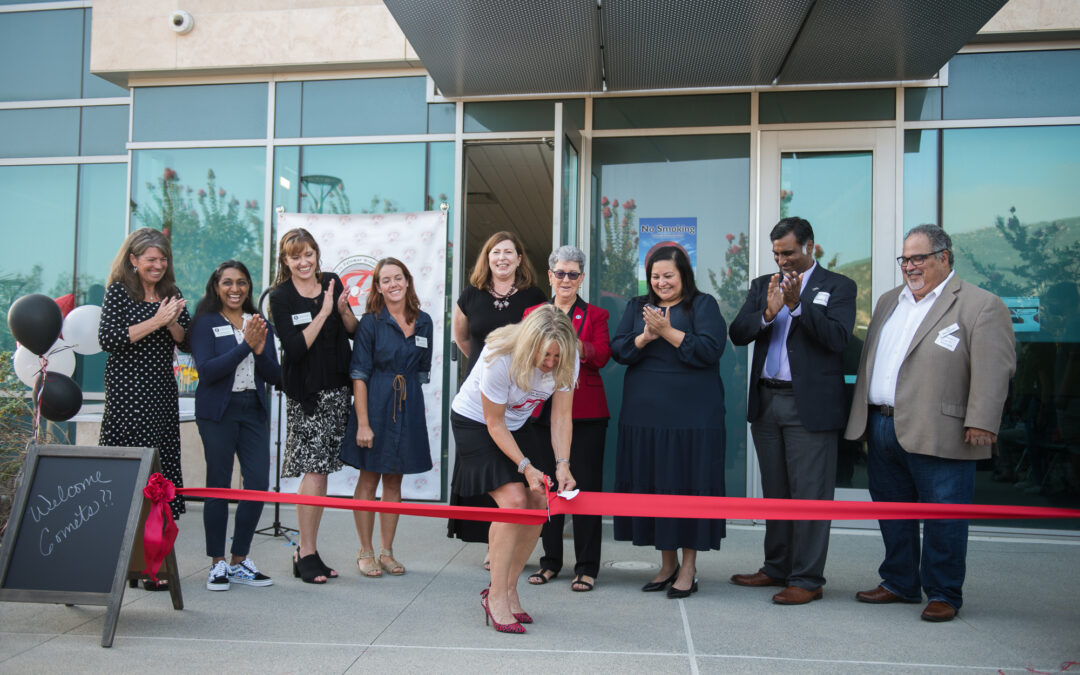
61 358
81 329
26 365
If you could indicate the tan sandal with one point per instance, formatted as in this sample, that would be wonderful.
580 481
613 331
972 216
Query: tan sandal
371 569
395 568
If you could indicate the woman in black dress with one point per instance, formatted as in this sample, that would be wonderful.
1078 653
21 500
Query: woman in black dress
313 320
671 427
501 287
143 321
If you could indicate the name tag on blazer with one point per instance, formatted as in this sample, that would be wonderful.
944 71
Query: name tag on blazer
301 319
421 342
822 298
223 331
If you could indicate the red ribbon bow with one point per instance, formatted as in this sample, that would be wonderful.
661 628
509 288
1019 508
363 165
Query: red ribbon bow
160 532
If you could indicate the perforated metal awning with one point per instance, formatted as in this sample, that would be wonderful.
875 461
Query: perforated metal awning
490 47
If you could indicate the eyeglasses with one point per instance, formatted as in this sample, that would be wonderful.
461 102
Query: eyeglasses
562 275
918 260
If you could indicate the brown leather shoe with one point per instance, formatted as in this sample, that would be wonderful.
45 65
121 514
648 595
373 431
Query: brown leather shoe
938 611
758 578
794 595
880 596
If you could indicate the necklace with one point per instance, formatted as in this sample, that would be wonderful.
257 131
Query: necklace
501 301
235 327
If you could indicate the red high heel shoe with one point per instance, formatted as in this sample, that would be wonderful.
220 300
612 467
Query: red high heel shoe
515 627
522 617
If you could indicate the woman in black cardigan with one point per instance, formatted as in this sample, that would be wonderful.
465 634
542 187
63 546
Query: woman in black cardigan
313 320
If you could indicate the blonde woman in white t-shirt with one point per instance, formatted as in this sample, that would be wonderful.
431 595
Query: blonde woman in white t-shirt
521 366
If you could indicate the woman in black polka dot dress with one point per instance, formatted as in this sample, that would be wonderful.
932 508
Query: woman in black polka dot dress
143 319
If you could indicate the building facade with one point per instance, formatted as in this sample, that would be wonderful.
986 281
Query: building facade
111 120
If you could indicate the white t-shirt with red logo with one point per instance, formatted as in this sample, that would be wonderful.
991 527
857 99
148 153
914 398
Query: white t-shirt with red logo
493 380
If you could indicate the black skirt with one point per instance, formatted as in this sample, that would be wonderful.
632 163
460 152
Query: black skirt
481 466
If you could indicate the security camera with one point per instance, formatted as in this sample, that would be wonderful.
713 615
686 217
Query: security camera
181 22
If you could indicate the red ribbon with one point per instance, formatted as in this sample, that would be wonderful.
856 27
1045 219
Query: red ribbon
662 506
161 530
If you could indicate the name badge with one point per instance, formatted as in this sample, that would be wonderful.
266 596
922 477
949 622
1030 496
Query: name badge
223 331
949 330
421 342
822 298
947 341
299 319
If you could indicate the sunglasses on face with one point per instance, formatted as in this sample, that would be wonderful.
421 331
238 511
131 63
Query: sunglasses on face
562 275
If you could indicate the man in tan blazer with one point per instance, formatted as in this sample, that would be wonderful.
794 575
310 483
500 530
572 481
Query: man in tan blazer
932 382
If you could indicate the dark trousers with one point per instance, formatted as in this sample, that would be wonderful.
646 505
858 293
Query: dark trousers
242 432
587 467
899 476
795 464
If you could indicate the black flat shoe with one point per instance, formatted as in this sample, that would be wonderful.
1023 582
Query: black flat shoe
654 586
676 593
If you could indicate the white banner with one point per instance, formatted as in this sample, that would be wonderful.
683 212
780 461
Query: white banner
350 246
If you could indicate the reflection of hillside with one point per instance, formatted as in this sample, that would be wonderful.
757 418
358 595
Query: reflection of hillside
989 245
859 271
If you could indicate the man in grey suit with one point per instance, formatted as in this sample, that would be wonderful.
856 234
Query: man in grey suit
932 382
800 319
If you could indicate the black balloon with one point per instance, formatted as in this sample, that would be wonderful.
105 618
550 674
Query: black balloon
35 321
60 399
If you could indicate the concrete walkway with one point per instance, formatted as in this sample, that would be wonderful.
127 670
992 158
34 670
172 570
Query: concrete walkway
1022 614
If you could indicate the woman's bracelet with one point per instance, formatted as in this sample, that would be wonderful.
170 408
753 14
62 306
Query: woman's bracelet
523 464
562 460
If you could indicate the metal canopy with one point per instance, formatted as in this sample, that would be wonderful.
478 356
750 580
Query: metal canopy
489 47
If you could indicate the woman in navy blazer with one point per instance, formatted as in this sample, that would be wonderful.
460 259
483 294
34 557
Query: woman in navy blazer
566 272
234 354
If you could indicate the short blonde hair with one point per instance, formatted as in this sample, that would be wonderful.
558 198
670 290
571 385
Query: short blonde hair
527 341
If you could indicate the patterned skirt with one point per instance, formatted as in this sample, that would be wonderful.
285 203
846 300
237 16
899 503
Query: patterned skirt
312 442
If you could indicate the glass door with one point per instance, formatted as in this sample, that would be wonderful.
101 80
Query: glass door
843 182
565 200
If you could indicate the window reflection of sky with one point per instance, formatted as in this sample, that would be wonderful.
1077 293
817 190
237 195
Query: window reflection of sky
834 192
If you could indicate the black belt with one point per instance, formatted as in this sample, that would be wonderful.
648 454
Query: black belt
774 384
883 410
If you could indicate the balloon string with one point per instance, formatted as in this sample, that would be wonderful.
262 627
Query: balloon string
37 398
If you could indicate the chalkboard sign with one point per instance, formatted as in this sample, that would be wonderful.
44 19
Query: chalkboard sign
73 528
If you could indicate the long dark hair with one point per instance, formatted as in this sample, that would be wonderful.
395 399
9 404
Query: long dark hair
211 301
375 300
682 263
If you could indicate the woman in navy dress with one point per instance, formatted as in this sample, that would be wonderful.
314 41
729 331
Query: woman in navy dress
671 428
386 436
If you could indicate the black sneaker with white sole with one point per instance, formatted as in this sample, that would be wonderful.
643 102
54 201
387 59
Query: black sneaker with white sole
246 573
218 579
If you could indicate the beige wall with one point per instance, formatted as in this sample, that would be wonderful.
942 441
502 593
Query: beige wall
1023 16
132 39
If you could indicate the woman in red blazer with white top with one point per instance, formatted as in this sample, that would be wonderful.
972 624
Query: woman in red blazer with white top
566 271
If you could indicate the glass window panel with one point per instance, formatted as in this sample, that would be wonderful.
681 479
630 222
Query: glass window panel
701 177
920 177
38 222
376 178
209 200
102 194
200 113
366 107
922 103
510 116
41 55
94 86
642 112
575 111
826 106
1013 84
1009 203
441 118
39 132
287 109
104 130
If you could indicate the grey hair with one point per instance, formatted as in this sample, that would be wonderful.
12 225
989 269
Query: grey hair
566 254
938 239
